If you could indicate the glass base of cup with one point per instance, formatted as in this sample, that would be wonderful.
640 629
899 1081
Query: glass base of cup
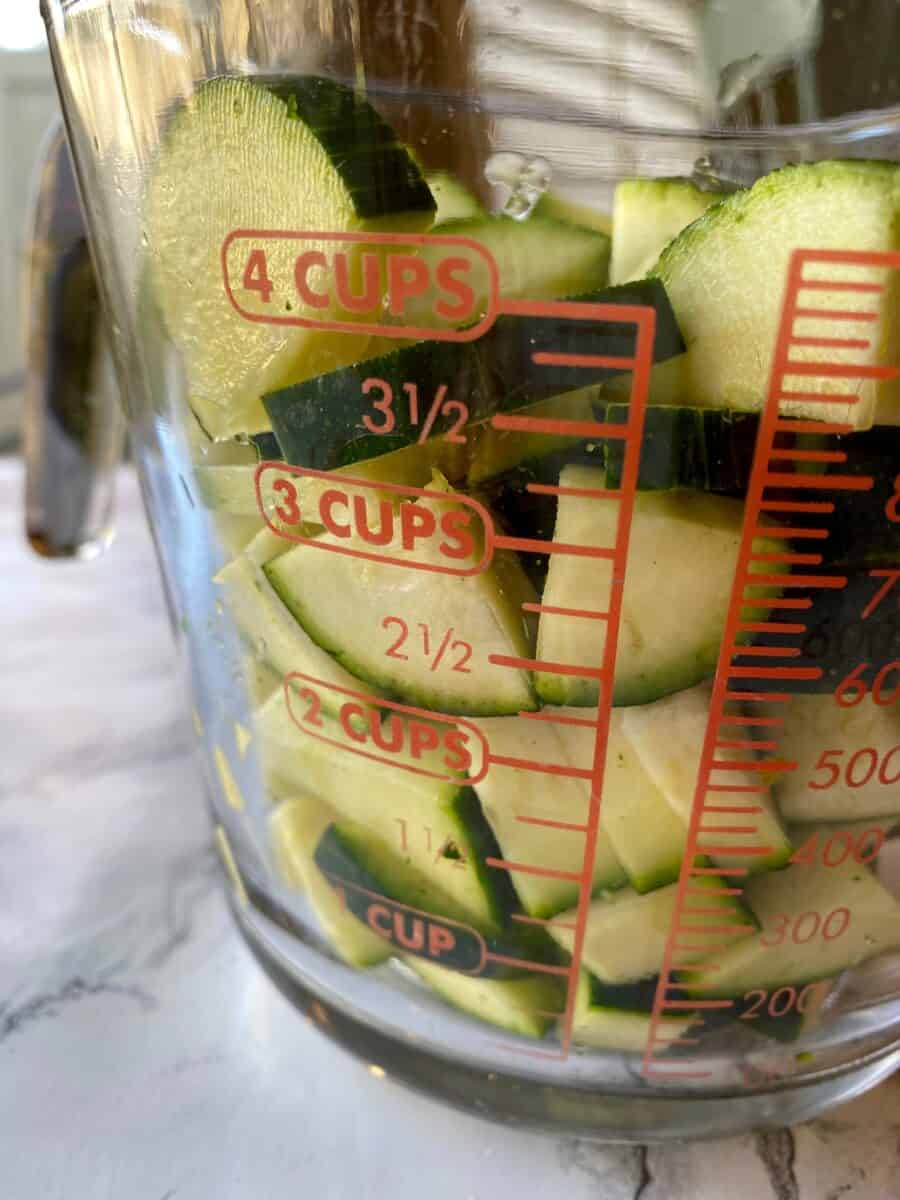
636 1114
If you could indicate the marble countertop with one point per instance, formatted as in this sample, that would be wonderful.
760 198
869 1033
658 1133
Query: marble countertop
144 1054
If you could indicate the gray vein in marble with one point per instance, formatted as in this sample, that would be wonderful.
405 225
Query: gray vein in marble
619 1171
50 1005
645 1180
777 1152
99 756
191 880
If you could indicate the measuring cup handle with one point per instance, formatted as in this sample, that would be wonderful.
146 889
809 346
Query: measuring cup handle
74 427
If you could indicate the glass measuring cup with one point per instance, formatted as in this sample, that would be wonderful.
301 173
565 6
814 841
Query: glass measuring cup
536 587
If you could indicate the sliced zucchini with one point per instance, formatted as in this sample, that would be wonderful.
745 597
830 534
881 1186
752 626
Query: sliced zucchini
726 277
310 154
558 208
297 827
269 628
232 489
630 805
681 561
626 933
702 450
607 1018
444 392
495 452
424 839
848 759
454 202
514 798
537 259
647 214
333 420
473 618
668 737
236 533
524 1006
261 679
816 921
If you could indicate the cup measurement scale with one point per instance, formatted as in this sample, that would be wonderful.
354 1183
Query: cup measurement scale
713 798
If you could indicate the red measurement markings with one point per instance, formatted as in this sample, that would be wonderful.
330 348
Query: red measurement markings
386 423
556 611
291 278
866 765
448 852
450 534
890 582
854 689
508 423
763 477
416 740
644 319
434 649
563 770
549 668
532 546
551 489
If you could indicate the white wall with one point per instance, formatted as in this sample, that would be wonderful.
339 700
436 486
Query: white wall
27 105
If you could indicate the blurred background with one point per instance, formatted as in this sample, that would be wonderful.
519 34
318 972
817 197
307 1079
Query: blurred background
27 106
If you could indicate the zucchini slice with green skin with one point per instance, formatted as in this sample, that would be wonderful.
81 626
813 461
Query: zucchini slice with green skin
305 154
843 757
842 917
647 215
626 933
512 798
297 827
668 737
369 889
538 259
423 839
446 391
682 556
726 276
478 616
558 208
611 1018
517 1005
232 489
454 202
631 804
268 627
694 449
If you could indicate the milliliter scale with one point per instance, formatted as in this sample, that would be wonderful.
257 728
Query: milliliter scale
744 720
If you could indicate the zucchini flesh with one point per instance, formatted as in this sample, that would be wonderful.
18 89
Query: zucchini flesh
626 933
864 741
424 839
668 737
330 593
682 544
726 275
815 921
509 793
608 1019
522 1006
647 214
297 827
305 154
